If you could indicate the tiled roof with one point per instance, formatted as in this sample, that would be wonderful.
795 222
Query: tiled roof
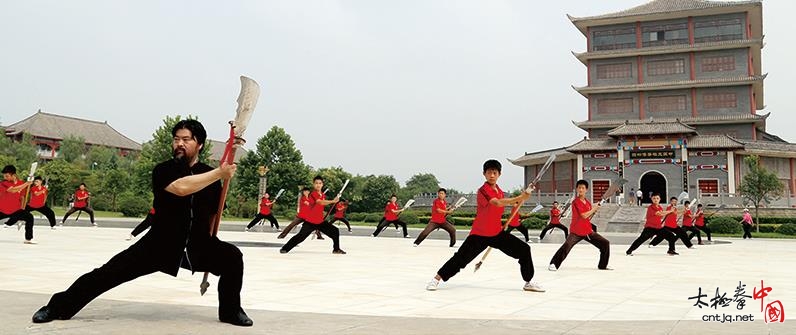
540 157
714 142
784 147
706 119
666 85
598 144
217 150
667 49
57 127
665 6
652 128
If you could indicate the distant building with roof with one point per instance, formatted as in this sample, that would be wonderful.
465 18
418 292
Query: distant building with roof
48 130
217 151
673 91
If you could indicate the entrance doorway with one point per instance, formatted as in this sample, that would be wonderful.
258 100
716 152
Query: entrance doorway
653 182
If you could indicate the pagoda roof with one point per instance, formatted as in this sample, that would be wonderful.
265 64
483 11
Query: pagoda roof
652 127
217 151
670 49
593 144
702 119
670 85
540 157
721 141
57 127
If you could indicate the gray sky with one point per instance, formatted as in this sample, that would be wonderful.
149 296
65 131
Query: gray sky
403 87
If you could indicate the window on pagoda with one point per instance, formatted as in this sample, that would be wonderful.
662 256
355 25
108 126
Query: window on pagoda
708 187
667 103
615 106
664 34
666 67
718 63
614 71
612 39
716 29
719 100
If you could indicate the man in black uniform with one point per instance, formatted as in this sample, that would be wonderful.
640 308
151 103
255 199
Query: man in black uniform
186 194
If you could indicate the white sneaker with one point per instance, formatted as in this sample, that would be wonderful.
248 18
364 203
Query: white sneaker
129 237
552 267
30 242
94 224
246 229
53 227
432 285
414 245
649 245
533 287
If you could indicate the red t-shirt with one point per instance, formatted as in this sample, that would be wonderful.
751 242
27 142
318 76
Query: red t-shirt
687 218
38 194
555 216
78 195
487 220
340 210
265 206
652 220
436 216
580 226
315 215
388 214
700 218
515 221
10 202
304 207
152 211
671 218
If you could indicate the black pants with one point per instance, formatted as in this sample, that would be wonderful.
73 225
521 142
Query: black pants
347 224
20 215
692 230
522 229
384 223
293 224
554 225
678 233
307 229
48 213
260 216
220 258
432 226
647 233
747 230
473 245
143 225
75 209
595 239
702 228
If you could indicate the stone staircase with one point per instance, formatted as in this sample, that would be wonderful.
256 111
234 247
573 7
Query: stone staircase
627 219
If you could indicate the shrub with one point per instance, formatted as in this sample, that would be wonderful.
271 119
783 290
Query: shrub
133 206
787 229
409 218
372 217
534 223
769 228
725 225
356 216
460 221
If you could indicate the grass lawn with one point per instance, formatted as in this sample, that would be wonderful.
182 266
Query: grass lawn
60 211
758 235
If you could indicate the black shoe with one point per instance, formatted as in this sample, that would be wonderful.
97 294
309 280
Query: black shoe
282 251
43 315
339 252
672 253
239 319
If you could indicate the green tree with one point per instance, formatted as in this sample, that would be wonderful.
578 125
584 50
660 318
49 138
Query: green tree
760 186
277 151
158 150
334 178
376 191
62 178
417 184
72 148
105 157
20 154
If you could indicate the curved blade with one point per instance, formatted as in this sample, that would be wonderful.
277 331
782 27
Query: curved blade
247 101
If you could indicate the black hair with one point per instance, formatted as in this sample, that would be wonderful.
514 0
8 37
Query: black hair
82 184
655 194
9 169
195 127
37 178
699 205
442 190
672 198
305 188
686 202
318 177
555 202
582 182
394 196
493 165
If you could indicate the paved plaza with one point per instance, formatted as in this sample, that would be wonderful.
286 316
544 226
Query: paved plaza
379 287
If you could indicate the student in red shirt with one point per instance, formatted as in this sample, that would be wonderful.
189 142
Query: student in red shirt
439 211
81 204
314 220
339 213
143 225
301 213
391 212
555 222
11 193
38 201
265 213
654 227
487 231
581 228
516 224
670 225
700 223
688 223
